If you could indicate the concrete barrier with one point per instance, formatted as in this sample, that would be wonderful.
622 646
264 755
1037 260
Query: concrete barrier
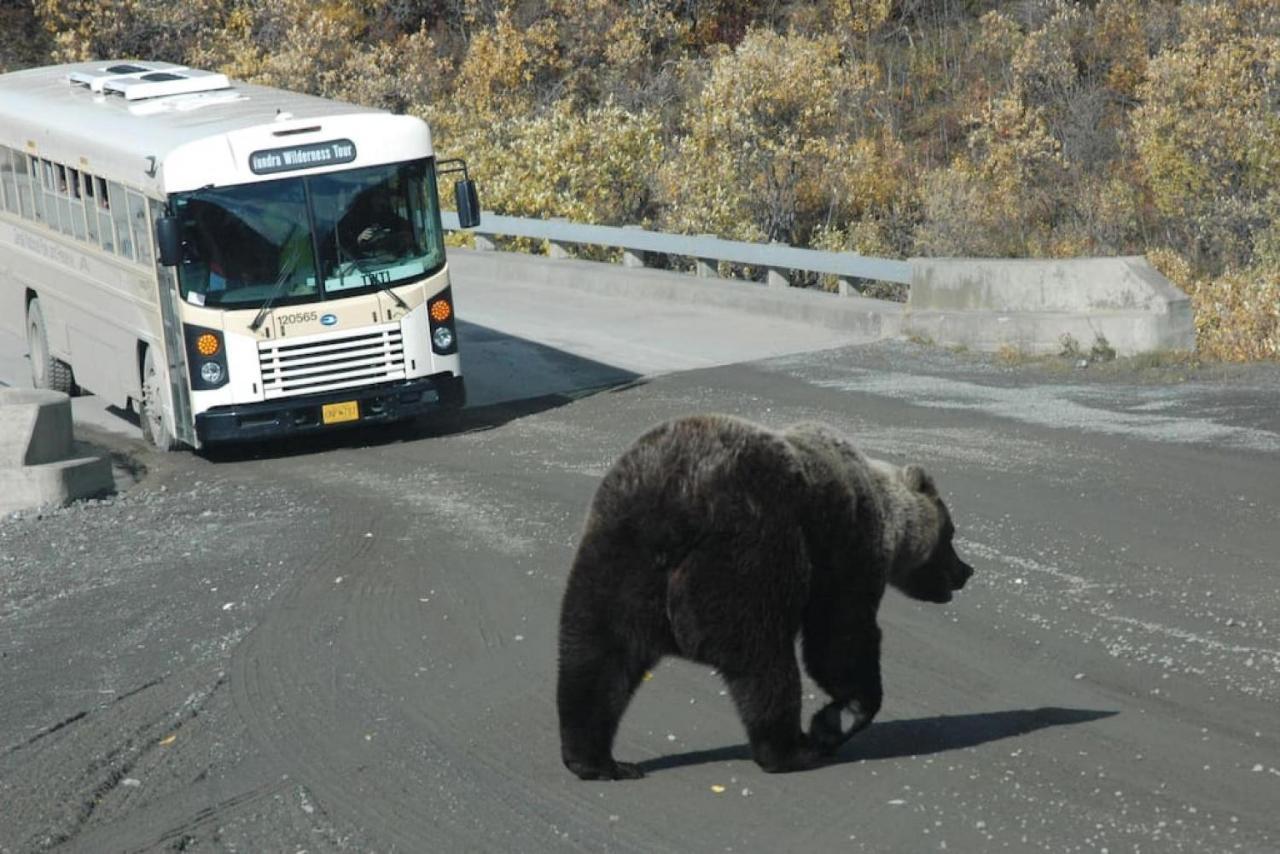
38 462
983 304
1030 305
873 319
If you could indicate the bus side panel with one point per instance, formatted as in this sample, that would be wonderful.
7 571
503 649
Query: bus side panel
13 308
95 311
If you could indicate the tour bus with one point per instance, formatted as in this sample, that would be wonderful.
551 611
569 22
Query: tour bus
232 262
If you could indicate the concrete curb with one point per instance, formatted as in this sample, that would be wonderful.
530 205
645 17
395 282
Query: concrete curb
873 319
38 466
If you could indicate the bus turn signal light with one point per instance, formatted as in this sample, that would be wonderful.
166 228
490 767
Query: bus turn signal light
441 310
207 344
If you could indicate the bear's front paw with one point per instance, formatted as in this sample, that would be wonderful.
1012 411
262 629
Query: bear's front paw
604 771
835 723
800 758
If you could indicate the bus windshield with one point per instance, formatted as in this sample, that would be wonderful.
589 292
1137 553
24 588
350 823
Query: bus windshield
362 229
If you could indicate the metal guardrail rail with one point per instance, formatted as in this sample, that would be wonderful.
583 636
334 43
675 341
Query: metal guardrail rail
706 250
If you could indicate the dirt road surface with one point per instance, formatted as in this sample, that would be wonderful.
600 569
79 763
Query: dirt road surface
348 644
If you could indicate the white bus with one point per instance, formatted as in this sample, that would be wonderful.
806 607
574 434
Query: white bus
231 261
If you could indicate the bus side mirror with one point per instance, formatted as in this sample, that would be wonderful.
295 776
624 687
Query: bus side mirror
468 202
168 241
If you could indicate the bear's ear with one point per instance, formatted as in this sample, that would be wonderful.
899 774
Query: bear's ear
918 480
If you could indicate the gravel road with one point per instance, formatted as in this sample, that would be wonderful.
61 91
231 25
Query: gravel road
349 644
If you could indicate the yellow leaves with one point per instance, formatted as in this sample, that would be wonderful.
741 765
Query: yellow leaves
1237 314
773 144
1206 130
590 166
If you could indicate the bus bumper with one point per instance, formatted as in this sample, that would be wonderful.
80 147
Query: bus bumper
294 415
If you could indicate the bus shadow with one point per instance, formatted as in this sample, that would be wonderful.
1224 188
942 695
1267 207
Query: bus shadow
507 378
916 737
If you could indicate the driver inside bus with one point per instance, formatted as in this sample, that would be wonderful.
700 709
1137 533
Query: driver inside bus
379 230
195 257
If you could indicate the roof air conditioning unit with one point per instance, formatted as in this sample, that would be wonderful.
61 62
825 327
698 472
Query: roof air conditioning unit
157 84
98 78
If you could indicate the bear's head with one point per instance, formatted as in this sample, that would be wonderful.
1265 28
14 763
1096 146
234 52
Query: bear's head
928 567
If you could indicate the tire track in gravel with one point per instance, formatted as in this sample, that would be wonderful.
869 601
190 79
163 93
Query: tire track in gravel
391 695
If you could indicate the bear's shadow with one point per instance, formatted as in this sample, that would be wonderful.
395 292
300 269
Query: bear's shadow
915 737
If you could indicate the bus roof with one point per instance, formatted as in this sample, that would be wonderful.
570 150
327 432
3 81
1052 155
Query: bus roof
99 125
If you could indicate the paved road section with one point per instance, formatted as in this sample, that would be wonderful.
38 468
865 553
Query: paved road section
349 644
518 342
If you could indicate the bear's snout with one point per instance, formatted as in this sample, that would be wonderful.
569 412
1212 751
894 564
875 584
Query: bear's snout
960 573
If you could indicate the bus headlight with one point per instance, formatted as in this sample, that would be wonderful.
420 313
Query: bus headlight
444 336
212 373
206 357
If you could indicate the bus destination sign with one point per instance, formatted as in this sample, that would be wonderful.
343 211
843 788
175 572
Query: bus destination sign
307 156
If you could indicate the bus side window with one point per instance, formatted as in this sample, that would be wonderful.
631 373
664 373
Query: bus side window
89 204
76 202
22 176
8 185
106 228
120 217
141 234
55 214
37 186
62 198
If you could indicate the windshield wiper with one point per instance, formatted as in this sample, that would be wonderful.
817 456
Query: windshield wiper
385 287
278 288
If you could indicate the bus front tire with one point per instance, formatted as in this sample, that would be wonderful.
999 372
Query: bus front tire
150 409
46 371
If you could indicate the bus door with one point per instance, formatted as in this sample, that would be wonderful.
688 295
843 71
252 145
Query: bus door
184 425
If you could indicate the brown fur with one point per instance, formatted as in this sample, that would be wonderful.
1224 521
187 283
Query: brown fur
720 541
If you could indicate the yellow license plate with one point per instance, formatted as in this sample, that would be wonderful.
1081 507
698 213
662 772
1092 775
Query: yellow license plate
336 413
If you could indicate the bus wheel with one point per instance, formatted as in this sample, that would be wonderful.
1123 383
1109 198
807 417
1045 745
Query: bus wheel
151 410
46 371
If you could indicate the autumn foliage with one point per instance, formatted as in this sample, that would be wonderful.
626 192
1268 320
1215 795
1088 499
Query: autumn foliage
888 127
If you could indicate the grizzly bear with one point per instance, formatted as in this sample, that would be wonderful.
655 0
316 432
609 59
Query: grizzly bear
719 541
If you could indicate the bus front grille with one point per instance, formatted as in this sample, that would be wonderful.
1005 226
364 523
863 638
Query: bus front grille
331 361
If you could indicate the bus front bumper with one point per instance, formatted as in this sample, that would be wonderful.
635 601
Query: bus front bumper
293 415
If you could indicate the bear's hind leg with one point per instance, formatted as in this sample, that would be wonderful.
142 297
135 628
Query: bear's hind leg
768 701
592 693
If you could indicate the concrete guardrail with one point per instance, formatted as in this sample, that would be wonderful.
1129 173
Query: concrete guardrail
38 462
1033 306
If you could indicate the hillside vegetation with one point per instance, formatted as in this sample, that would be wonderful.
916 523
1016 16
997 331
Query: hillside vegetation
889 127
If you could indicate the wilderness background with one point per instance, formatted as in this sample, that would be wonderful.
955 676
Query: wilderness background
1030 128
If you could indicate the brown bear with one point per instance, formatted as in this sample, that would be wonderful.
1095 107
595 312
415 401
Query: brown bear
720 541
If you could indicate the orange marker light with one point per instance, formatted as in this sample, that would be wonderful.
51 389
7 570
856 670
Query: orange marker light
207 344
441 311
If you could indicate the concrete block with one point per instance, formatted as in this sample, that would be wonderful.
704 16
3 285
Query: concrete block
986 304
35 427
38 462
